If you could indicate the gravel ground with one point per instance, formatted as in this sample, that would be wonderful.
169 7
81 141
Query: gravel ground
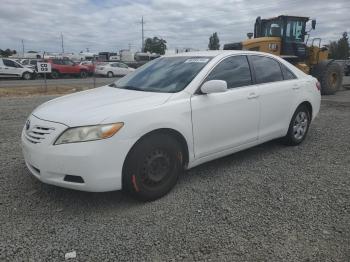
268 203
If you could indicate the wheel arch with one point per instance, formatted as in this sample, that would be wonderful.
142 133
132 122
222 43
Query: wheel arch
167 131
26 72
308 106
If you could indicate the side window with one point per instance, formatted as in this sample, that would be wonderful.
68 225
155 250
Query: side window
287 74
9 63
33 62
234 70
266 69
122 65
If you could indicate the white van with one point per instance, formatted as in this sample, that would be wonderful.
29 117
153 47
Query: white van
10 68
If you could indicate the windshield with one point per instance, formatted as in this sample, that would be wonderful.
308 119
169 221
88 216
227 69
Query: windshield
165 74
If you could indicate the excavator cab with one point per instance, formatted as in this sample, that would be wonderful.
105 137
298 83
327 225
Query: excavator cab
287 37
291 30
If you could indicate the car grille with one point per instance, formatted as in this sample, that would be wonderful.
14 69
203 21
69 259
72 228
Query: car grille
38 134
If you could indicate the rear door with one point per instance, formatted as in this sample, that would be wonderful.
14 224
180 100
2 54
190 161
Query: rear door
277 96
222 121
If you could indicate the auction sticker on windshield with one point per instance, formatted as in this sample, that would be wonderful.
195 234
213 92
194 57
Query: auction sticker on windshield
197 60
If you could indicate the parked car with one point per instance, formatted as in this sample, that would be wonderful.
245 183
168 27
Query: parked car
66 67
90 66
30 63
10 68
113 69
175 112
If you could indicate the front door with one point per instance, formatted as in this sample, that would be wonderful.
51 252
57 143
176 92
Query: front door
222 121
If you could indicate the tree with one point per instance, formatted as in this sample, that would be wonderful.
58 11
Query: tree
339 49
214 42
7 52
155 45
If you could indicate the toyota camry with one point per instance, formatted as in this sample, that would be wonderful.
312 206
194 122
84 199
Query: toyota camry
173 113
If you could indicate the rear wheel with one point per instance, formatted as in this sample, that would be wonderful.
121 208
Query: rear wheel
110 74
55 74
152 167
298 127
27 76
330 76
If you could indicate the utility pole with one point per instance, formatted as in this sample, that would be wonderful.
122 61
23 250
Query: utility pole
22 48
143 38
62 43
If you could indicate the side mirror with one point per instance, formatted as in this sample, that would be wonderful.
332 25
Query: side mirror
214 86
313 24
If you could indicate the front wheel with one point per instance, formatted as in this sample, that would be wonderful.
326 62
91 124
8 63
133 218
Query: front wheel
152 167
83 74
298 127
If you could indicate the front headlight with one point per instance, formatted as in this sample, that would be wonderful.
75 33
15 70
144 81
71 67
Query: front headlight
88 133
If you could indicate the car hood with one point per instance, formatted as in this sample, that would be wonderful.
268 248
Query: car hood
93 106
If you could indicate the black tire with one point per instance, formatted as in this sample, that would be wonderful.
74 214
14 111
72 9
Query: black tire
110 74
294 136
152 167
55 74
330 76
27 76
83 74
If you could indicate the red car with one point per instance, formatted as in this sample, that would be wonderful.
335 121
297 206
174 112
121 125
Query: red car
66 67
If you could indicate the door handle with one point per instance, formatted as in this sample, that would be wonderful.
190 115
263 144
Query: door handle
252 96
296 87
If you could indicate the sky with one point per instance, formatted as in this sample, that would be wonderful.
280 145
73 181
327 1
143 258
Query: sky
111 25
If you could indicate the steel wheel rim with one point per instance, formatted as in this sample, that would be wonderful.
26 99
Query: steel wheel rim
156 168
300 125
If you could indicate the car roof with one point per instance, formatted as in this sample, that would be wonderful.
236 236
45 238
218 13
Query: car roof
217 53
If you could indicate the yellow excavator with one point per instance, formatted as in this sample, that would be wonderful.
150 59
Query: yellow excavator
286 36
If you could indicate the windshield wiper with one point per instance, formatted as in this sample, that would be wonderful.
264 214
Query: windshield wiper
130 88
112 85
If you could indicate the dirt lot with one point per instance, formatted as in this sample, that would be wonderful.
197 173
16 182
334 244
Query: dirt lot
268 203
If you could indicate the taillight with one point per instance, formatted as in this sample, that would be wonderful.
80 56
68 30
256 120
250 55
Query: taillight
318 86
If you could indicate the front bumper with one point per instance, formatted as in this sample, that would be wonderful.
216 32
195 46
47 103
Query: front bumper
99 163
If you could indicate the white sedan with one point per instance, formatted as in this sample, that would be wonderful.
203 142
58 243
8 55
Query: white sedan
113 69
174 113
